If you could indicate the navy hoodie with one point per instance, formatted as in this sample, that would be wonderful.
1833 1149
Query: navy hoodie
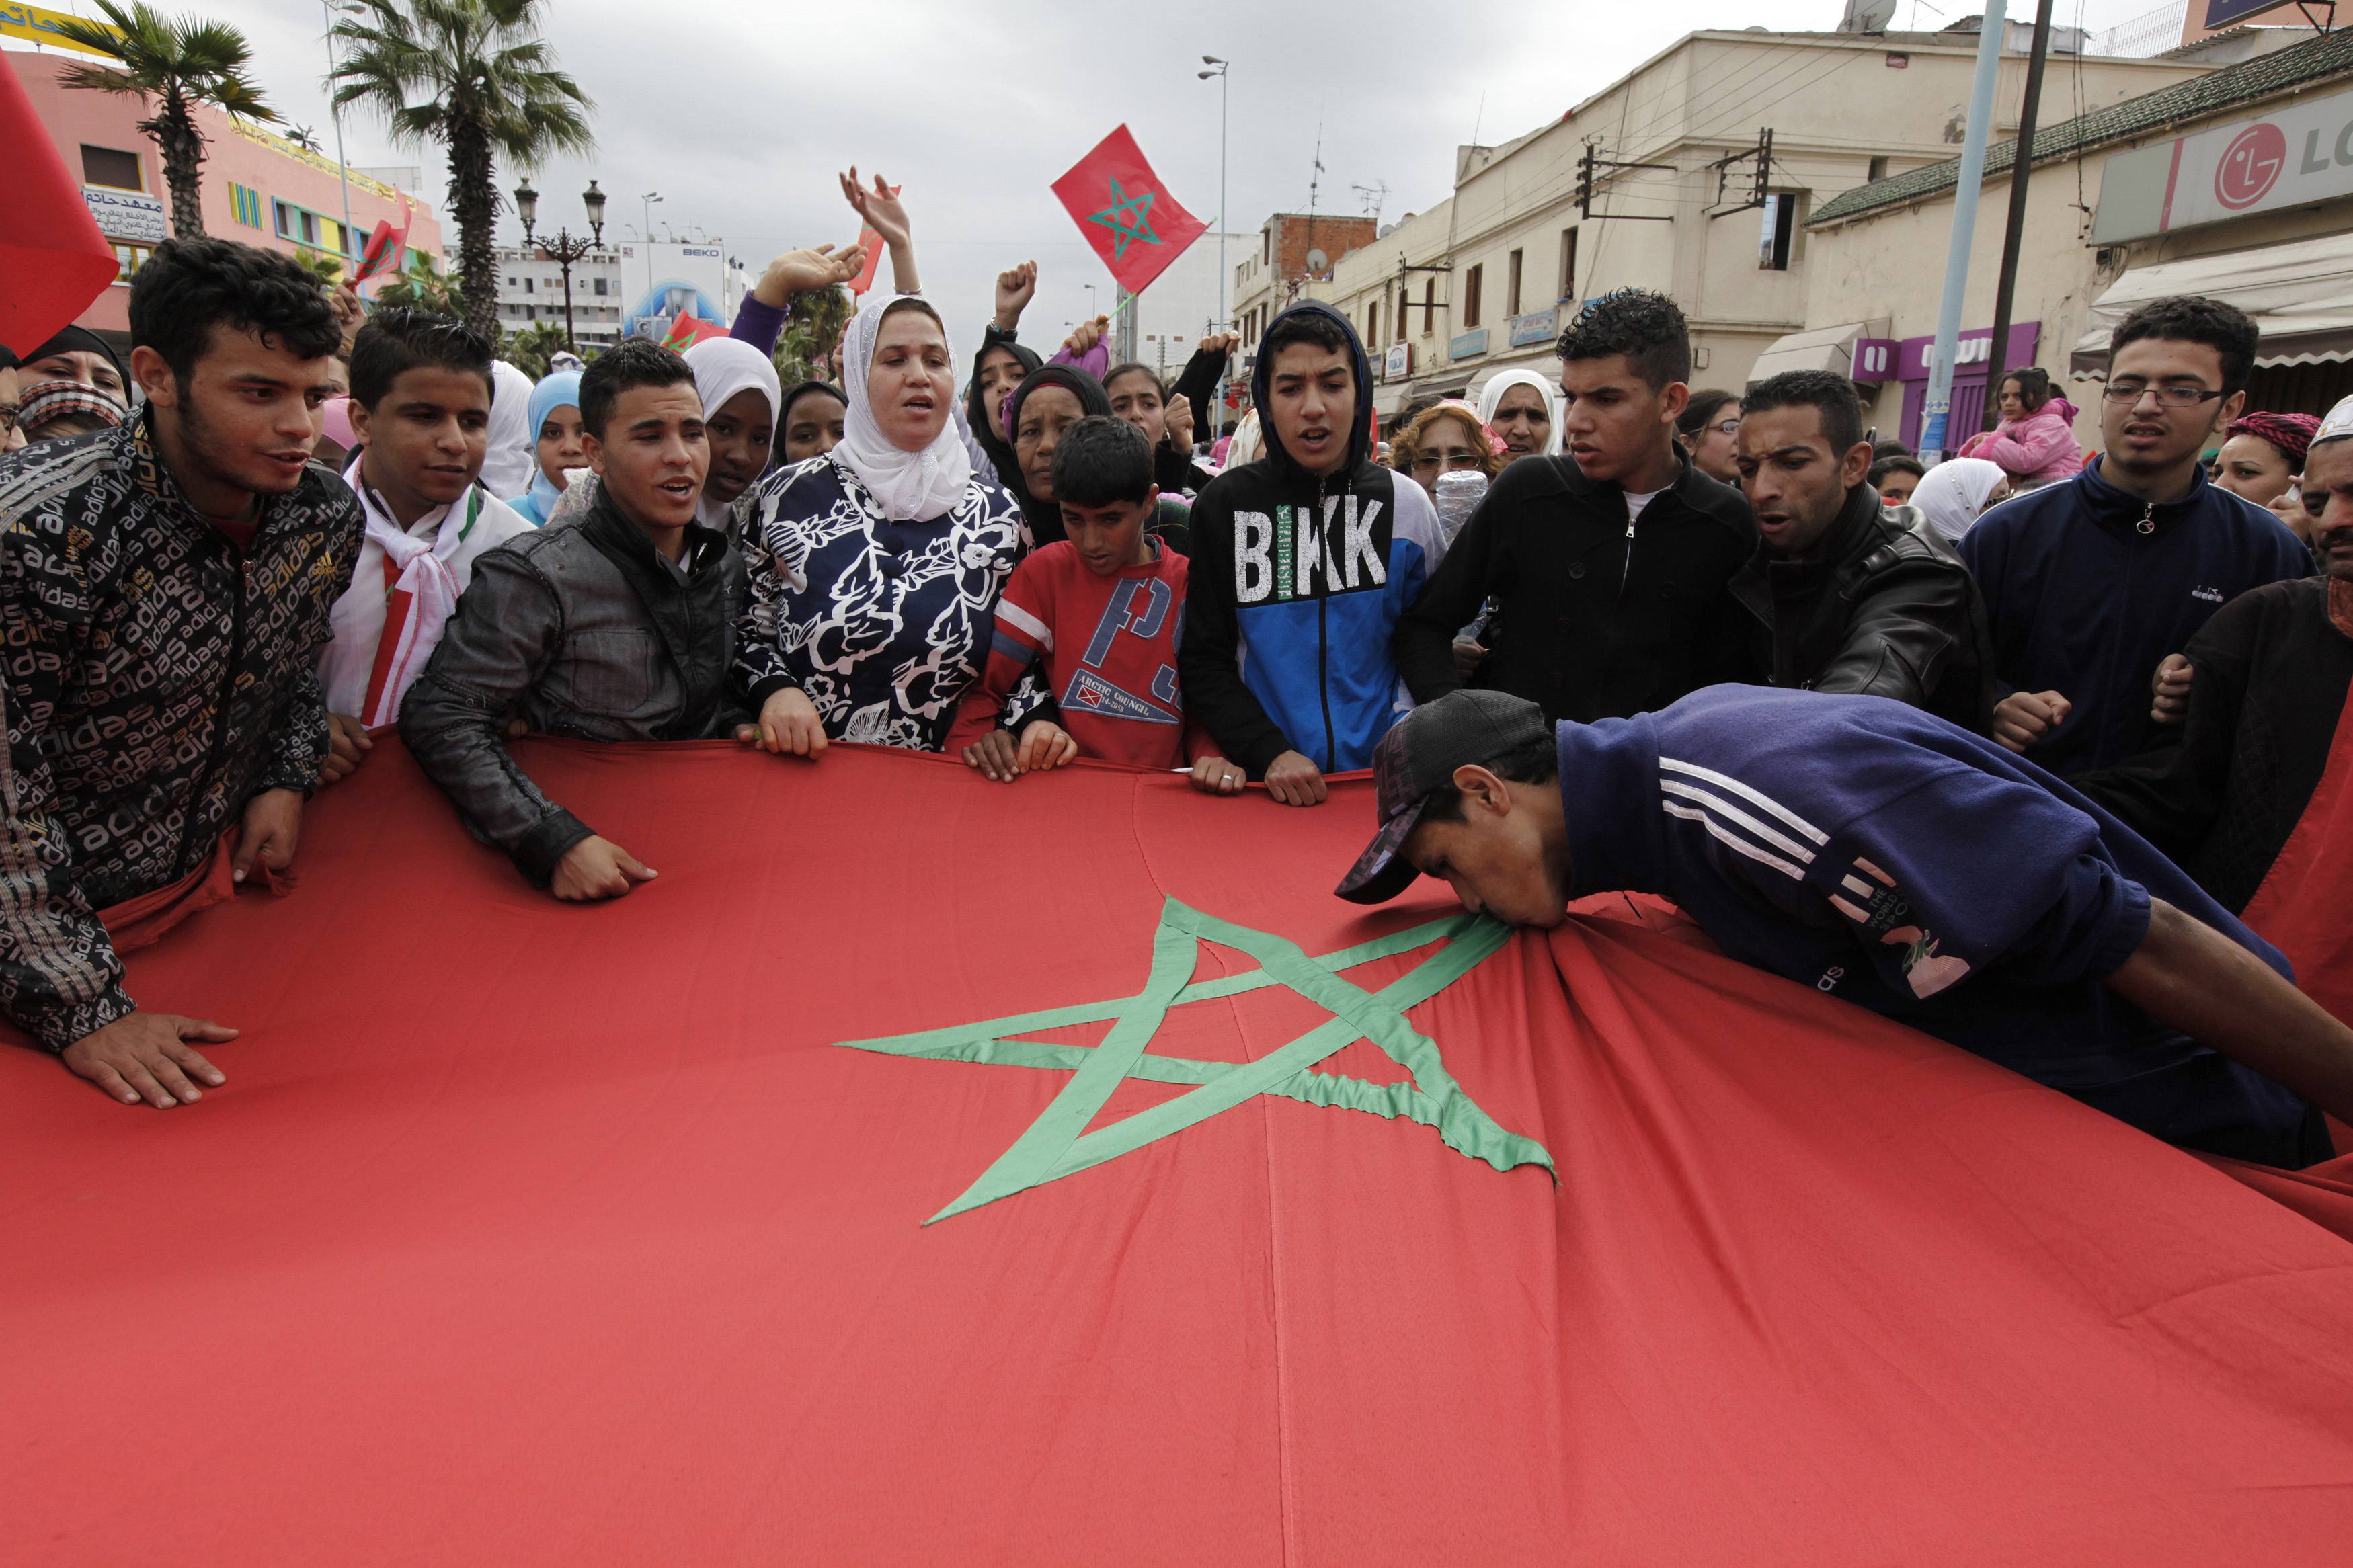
1297 584
2088 588
1881 855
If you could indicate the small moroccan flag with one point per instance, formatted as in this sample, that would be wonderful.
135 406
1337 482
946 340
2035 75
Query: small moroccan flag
1127 215
382 252
686 329
871 241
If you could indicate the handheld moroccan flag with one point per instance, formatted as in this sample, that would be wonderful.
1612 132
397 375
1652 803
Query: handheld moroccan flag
871 241
53 260
686 329
385 248
1128 216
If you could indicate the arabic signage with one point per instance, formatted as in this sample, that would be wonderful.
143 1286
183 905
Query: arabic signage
2299 154
1535 327
18 21
1887 359
130 216
301 154
1467 345
1397 362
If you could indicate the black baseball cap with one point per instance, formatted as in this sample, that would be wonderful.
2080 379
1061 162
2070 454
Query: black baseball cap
1420 754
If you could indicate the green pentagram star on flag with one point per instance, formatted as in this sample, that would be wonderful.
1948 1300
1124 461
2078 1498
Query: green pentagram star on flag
1056 1143
1128 218
1143 229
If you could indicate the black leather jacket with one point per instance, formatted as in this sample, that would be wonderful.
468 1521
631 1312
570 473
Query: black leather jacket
1877 609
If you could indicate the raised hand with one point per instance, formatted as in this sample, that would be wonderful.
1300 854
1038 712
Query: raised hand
806 271
1086 334
1178 420
1015 285
879 207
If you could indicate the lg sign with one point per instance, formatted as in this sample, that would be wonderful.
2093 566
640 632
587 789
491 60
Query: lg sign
2249 165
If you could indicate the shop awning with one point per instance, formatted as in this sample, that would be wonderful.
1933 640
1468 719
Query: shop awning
1818 348
2300 294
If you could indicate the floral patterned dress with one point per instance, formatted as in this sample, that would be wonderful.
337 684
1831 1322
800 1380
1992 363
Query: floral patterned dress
879 622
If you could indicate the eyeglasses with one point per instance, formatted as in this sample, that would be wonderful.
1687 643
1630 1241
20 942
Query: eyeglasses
1724 427
2172 395
1451 461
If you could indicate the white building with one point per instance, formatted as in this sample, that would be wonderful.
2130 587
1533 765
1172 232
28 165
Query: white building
1704 164
1164 323
531 291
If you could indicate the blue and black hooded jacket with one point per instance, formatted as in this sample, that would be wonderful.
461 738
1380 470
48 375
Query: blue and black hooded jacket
1297 581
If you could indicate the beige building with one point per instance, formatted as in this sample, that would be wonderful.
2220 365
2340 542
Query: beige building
1482 280
2238 184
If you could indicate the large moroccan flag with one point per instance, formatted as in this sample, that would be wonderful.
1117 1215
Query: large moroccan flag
923 1170
53 260
1127 214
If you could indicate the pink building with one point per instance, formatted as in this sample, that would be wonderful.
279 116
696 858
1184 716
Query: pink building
259 187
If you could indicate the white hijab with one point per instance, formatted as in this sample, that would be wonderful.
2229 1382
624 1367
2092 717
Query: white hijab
910 486
1491 397
723 367
513 457
1953 492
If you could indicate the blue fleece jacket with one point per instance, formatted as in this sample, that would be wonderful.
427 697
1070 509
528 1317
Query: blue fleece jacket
1878 853
2088 588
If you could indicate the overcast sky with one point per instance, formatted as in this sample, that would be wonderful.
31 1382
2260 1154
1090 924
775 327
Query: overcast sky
741 117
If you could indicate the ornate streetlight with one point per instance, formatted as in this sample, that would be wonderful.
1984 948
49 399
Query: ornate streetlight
563 249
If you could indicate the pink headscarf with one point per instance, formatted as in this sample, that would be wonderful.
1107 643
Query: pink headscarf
335 416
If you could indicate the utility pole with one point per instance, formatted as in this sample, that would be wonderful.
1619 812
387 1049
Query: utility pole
2021 172
1937 408
336 113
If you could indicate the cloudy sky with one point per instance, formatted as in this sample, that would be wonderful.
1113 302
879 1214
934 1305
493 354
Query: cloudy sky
741 118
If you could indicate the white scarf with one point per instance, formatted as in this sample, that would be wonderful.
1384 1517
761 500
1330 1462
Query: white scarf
423 596
513 456
723 367
1491 397
909 487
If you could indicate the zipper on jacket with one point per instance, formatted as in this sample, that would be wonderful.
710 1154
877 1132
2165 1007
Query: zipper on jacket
2148 523
228 692
1626 566
1323 636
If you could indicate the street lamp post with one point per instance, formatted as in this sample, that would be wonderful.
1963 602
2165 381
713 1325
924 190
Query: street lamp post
563 249
1218 70
328 8
651 198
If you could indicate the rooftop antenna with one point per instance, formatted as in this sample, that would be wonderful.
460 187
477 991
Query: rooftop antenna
1375 196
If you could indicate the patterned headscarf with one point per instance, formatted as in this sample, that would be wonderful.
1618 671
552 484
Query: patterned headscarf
2291 433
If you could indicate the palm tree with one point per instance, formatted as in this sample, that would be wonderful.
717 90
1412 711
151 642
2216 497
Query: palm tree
483 83
423 287
529 348
327 269
177 65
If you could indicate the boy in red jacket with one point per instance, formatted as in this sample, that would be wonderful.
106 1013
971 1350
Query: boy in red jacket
1098 613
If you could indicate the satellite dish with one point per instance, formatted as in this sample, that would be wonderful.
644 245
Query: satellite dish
1867 16
1317 261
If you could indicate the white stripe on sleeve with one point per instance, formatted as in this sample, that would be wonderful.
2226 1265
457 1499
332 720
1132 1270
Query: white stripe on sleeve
1693 814
1766 802
1024 622
1731 813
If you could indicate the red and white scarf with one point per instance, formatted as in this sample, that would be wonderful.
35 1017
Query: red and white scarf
420 594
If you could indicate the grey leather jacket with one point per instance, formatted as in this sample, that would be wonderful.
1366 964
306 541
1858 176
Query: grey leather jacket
581 629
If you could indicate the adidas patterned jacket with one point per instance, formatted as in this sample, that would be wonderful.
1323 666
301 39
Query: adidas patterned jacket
154 683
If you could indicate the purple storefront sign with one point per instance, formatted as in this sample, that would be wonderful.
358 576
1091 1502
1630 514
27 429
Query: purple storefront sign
1888 358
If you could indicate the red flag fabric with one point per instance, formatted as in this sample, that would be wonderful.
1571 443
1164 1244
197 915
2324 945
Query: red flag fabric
870 238
567 1234
53 260
2302 906
686 329
1134 226
384 248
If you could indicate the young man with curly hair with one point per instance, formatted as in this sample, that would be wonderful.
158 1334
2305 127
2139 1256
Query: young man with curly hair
1608 563
166 589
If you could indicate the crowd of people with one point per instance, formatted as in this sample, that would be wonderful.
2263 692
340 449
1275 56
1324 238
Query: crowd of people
2123 673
